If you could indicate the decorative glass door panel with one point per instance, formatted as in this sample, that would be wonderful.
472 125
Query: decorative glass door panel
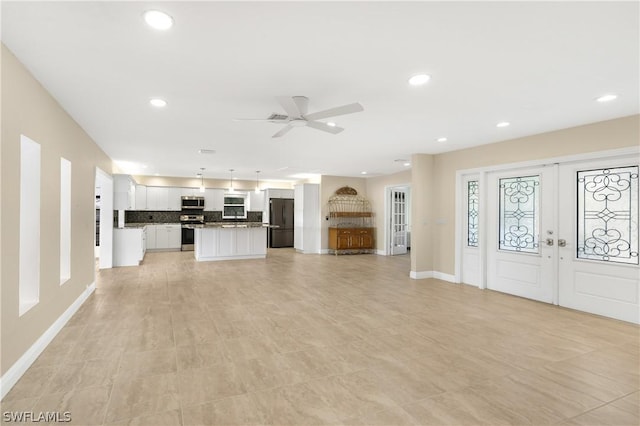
608 215
598 231
520 216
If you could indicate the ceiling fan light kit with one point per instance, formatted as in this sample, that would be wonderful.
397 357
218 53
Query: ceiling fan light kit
296 108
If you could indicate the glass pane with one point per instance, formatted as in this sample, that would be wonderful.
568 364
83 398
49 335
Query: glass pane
472 213
608 215
519 214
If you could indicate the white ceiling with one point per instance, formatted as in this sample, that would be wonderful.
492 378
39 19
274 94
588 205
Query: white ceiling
537 65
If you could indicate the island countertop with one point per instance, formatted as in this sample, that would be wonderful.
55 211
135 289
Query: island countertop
227 241
238 225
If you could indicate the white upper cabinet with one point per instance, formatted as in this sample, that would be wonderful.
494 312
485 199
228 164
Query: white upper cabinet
175 200
124 190
256 201
141 197
213 199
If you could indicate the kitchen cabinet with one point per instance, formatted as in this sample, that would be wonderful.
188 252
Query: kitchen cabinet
350 238
164 198
151 237
123 192
140 197
256 201
307 215
279 193
128 246
174 198
213 199
165 237
230 243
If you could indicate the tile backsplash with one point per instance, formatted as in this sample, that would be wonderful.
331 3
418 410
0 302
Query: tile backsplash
146 216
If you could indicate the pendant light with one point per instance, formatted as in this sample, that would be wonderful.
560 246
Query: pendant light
201 179
257 182
231 180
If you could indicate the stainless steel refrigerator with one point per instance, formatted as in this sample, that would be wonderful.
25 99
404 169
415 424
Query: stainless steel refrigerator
281 215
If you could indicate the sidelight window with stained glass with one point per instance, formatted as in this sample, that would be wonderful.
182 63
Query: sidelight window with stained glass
608 215
519 214
472 213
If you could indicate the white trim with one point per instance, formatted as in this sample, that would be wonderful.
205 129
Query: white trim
236 257
381 252
324 251
444 277
15 372
420 275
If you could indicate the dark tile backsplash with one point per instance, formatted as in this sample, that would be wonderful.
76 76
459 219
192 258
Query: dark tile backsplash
146 216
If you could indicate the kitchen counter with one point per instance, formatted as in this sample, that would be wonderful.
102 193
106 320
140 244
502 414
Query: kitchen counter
143 224
230 241
237 225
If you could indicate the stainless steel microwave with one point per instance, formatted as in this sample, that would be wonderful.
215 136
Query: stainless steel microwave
191 202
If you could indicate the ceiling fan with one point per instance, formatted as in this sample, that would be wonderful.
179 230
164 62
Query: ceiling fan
296 109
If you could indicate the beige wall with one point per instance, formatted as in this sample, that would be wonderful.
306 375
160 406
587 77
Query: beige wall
606 135
422 193
247 185
376 192
27 108
328 186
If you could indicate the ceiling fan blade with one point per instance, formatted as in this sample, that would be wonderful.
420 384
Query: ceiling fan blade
282 132
324 127
271 120
302 102
289 105
333 112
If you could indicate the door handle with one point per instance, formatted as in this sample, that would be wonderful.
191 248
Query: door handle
562 243
549 241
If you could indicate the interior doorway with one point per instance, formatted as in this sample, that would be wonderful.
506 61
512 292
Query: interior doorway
104 219
398 220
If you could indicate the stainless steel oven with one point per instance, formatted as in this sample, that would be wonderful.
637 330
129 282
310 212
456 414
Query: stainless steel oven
192 203
189 223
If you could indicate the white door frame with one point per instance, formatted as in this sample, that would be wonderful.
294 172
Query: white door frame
105 181
482 172
387 215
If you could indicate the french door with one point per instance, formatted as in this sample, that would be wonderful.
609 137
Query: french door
567 234
399 220
522 256
598 246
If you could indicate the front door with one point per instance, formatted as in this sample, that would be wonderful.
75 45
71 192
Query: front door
598 244
567 234
520 252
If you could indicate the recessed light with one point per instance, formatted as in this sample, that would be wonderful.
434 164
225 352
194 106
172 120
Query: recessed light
156 174
158 103
407 164
419 79
331 124
503 124
441 139
207 151
363 173
158 20
607 98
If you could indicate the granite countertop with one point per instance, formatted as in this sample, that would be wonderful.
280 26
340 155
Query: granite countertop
143 224
237 225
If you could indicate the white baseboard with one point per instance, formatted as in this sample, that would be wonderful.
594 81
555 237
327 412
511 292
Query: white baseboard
420 275
13 374
381 252
444 277
324 251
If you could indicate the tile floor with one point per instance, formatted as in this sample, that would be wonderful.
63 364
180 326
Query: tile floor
305 339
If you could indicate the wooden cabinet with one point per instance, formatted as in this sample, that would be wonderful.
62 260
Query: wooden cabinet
350 238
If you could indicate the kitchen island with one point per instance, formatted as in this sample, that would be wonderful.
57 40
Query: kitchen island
228 241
